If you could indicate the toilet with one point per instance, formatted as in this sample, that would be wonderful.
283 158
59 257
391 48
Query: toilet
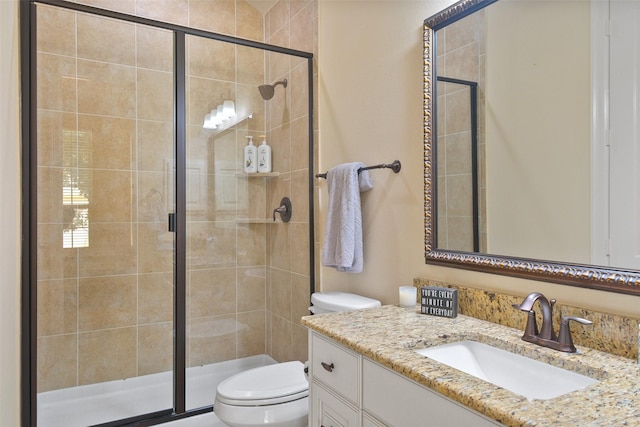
278 395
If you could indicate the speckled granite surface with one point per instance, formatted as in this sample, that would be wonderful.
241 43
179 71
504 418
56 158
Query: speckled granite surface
389 334
609 333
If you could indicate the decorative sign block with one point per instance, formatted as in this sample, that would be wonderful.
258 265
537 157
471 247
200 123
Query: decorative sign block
442 302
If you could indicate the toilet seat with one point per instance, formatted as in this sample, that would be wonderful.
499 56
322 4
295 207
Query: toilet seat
266 385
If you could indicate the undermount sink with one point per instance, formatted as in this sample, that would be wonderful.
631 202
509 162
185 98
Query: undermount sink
519 374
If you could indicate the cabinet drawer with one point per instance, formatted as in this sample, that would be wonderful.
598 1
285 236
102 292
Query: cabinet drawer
336 367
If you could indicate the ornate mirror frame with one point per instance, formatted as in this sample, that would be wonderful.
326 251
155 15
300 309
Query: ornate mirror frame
582 275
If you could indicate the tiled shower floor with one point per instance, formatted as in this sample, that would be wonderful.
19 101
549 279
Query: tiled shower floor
99 403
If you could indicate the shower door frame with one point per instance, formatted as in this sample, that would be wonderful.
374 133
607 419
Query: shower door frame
475 189
28 52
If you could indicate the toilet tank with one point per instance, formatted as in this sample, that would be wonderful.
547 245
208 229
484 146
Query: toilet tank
328 302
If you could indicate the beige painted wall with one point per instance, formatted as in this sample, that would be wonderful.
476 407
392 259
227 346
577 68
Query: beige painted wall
370 110
9 216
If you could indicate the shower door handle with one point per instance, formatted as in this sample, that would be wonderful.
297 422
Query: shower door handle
172 222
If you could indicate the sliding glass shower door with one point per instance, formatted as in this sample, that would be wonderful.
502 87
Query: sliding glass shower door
105 188
226 243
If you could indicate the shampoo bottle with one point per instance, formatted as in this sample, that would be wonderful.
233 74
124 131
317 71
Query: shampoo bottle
264 156
250 157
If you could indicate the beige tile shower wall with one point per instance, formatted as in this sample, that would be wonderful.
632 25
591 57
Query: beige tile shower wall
291 24
105 311
97 302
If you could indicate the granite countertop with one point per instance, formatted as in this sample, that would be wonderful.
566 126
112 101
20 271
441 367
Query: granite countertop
389 334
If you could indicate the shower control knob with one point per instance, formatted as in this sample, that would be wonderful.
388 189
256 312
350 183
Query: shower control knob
285 210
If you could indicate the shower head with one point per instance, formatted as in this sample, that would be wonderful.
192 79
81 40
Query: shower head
267 91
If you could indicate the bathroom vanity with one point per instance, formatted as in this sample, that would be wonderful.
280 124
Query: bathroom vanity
365 371
353 388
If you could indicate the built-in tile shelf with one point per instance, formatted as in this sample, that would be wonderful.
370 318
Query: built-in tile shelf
257 221
258 174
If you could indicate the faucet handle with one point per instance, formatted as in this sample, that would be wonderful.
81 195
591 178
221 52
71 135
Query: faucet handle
577 319
564 340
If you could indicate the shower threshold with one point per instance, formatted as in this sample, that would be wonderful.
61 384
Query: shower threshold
113 400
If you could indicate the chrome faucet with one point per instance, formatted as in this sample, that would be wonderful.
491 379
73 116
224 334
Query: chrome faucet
547 337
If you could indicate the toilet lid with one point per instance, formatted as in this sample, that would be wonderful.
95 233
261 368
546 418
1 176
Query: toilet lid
281 382
342 301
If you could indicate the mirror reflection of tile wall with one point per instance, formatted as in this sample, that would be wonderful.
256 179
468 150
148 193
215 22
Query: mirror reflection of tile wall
460 55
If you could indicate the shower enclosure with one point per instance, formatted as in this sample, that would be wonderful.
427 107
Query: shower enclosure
151 258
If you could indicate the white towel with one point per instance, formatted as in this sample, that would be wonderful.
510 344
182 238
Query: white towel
343 235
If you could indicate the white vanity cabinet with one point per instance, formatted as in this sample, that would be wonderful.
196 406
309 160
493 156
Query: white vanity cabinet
347 389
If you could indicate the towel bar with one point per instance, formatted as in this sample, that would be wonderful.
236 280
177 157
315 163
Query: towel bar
395 167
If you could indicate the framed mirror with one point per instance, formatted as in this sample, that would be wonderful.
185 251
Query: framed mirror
519 177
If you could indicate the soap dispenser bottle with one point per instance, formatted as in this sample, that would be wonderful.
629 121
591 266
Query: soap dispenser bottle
250 156
264 156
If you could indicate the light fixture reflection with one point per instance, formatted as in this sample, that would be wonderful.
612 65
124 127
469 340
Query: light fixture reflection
220 115
229 109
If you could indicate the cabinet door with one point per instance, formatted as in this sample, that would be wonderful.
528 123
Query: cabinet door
370 421
398 401
327 410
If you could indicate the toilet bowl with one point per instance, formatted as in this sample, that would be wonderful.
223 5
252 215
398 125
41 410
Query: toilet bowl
278 395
